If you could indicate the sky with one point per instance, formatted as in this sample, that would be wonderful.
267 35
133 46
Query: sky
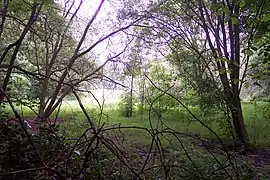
89 6
100 25
103 25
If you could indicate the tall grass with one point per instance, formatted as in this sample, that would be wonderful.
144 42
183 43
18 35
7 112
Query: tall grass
256 114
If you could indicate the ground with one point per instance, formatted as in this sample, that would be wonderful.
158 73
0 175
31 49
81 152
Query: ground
74 123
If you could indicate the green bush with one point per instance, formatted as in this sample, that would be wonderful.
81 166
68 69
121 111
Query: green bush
125 106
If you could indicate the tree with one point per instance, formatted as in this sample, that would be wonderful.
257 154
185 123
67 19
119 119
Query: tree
58 62
220 33
194 77
11 46
132 68
258 70
162 77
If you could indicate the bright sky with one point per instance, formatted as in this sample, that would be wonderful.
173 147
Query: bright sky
89 6
103 25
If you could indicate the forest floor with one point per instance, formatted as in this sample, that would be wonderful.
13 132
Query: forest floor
261 158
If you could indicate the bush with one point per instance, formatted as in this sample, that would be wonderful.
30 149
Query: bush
16 153
125 107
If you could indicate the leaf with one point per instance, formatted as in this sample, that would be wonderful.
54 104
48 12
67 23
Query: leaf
222 10
223 71
235 81
246 85
48 2
234 20
266 18
249 52
227 19
242 4
222 59
219 12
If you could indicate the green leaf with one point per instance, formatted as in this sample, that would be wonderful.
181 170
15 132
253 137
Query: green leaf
246 85
242 4
227 19
222 10
235 81
223 71
234 20
266 18
219 12
225 9
48 2
222 59
249 52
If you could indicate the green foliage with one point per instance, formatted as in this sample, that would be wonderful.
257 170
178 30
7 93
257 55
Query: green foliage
127 104
260 73
17 153
21 91
201 92
13 148
51 141
3 112
260 61
76 121
163 78
257 121
194 85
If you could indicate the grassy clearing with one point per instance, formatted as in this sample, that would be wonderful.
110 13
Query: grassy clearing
256 119
180 151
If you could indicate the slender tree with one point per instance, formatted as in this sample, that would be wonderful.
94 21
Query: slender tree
220 33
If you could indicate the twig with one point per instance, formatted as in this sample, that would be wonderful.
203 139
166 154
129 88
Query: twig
85 112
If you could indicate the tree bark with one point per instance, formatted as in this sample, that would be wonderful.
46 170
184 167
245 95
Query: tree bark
130 103
131 97
230 86
238 119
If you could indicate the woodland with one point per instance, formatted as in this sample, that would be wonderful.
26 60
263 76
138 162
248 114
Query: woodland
135 89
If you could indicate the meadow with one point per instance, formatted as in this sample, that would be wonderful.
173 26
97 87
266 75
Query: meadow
175 143
256 115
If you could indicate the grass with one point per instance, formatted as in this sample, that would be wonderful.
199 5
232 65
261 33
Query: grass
182 151
256 119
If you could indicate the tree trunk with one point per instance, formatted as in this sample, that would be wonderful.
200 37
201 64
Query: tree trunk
238 120
231 85
50 109
42 96
131 96
142 97
41 108
130 104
